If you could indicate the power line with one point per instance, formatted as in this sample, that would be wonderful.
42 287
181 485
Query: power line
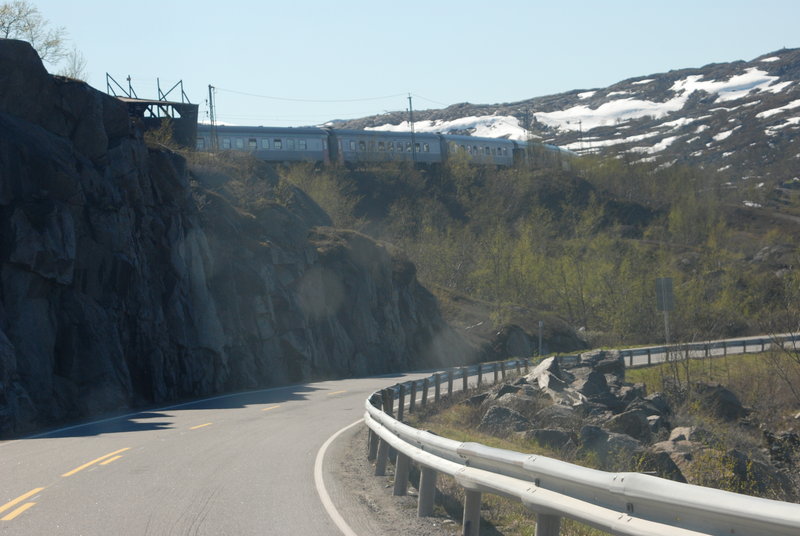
430 100
308 100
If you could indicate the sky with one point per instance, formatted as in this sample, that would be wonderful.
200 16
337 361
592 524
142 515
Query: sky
310 61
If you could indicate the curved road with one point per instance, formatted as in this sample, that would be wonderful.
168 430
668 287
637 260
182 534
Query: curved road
238 465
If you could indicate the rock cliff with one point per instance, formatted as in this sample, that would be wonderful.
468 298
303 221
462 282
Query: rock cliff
125 280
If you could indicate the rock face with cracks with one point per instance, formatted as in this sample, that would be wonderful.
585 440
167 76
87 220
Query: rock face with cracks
124 282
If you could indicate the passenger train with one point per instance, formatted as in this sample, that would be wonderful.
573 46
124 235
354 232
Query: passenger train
354 147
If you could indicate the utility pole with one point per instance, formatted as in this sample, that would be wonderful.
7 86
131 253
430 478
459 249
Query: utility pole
411 122
212 118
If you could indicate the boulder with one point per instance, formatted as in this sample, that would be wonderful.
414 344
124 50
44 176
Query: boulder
633 423
611 448
502 421
719 401
557 416
553 438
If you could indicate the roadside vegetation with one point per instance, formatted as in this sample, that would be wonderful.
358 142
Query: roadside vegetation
582 247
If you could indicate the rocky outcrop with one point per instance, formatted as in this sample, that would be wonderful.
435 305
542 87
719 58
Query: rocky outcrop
124 280
585 407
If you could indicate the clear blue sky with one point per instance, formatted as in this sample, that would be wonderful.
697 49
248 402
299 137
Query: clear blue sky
442 51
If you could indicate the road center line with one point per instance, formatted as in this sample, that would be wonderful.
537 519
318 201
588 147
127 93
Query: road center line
19 499
115 458
336 393
271 407
201 426
97 460
17 512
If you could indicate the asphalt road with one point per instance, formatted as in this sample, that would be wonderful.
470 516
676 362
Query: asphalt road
233 465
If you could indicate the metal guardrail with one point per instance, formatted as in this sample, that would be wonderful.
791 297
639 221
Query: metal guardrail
641 357
631 504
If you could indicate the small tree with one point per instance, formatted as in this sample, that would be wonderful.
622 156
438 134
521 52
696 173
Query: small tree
75 65
22 20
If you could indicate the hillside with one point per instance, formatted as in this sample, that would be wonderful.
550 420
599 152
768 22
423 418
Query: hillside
740 118
130 276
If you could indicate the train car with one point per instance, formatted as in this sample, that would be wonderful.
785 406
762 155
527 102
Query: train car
369 146
272 144
481 151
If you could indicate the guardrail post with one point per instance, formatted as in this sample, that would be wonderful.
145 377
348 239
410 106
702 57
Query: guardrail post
547 525
630 356
413 402
527 364
472 513
649 357
424 392
503 369
480 374
437 383
450 382
401 474
762 345
427 492
464 379
388 402
494 369
744 347
401 401
725 348
519 370
382 458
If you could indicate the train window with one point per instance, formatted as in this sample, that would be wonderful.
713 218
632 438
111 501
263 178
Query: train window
264 143
278 144
381 146
302 145
475 150
362 146
408 146
290 144
252 144
426 148
487 151
391 146
201 143
352 145
239 142
226 143
463 148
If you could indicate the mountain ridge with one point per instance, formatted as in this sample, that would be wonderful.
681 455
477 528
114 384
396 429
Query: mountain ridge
741 118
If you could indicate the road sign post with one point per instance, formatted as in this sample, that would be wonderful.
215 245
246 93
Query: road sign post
665 301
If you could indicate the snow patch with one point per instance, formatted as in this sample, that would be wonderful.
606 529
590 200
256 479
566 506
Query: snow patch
773 130
753 79
486 126
769 113
724 135
586 94
770 59
640 82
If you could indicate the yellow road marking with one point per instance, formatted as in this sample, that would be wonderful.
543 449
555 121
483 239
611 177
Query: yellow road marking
18 511
115 458
100 459
201 426
271 407
19 499
336 393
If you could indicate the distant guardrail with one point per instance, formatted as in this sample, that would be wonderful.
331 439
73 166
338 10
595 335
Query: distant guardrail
638 357
631 504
